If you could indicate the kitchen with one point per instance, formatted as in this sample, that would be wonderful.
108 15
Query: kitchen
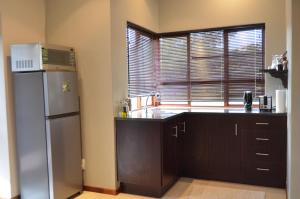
102 59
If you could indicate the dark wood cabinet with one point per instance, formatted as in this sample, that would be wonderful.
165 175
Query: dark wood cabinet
224 144
264 150
195 147
139 156
170 153
212 149
153 154
148 155
181 141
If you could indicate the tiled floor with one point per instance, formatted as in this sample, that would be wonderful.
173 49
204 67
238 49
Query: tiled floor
183 190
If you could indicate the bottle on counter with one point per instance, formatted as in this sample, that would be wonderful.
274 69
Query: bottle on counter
124 112
124 108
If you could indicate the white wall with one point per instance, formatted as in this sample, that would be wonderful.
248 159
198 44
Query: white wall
293 46
85 25
176 15
141 12
97 30
22 21
5 188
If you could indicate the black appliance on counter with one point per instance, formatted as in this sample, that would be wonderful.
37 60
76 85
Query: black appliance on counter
265 103
248 100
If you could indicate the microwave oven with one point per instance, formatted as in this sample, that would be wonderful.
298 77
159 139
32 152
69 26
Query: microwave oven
37 57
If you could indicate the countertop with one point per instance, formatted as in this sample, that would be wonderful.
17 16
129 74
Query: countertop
161 113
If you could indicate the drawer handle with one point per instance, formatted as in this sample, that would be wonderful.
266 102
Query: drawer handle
262 123
262 154
262 169
262 139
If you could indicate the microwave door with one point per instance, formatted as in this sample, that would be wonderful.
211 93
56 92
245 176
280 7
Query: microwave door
58 57
61 93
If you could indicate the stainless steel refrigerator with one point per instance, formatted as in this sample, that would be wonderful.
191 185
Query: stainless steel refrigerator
48 134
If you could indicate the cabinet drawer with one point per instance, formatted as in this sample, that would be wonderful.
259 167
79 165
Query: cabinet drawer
265 156
264 145
265 123
265 174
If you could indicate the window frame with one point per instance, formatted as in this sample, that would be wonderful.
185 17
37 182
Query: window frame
227 30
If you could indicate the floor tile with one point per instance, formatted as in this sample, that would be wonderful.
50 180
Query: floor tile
187 188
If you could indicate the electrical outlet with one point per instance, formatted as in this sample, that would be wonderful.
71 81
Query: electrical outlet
83 164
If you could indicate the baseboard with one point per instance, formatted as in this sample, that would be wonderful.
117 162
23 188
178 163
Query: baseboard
101 190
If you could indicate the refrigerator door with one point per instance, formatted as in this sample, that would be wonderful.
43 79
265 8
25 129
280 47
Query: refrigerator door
31 135
64 156
61 94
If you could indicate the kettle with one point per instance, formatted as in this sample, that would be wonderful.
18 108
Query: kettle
248 100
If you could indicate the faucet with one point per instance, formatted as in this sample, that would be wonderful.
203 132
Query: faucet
156 94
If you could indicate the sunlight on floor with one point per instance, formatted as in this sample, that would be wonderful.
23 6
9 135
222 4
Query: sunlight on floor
187 188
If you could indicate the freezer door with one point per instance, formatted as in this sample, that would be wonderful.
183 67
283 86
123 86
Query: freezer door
61 93
64 156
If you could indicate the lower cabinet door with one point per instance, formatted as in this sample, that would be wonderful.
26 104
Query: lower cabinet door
224 154
195 148
170 153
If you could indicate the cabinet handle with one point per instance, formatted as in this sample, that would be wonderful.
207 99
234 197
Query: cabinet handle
262 154
262 169
176 131
236 130
183 130
262 123
262 139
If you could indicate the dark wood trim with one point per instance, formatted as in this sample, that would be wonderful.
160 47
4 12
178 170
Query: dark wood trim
212 82
189 68
227 28
226 69
225 55
264 52
128 62
156 60
186 32
102 190
142 30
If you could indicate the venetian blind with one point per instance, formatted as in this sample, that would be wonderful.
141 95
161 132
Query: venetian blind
141 80
211 66
207 66
172 73
245 60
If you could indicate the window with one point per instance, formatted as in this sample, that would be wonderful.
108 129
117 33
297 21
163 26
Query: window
207 67
245 60
141 75
173 74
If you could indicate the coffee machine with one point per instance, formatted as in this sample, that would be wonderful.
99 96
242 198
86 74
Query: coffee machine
248 100
265 103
